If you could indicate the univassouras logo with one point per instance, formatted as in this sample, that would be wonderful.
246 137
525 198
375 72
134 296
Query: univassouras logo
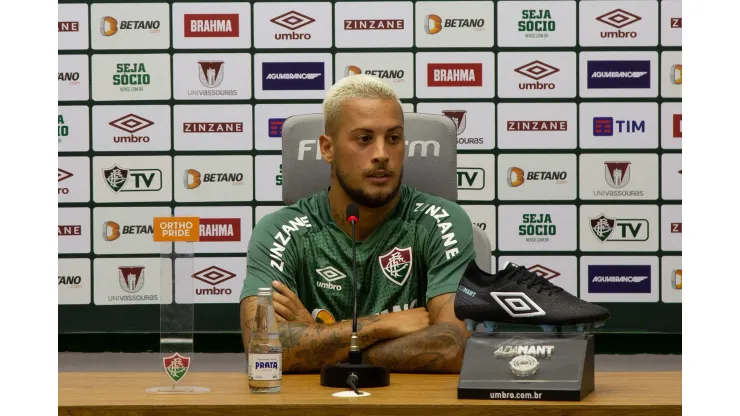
537 228
434 24
536 23
211 74
618 18
131 76
194 178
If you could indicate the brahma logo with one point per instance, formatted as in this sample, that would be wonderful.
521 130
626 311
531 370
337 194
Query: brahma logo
617 173
213 276
536 70
225 25
220 229
618 18
277 76
109 26
194 179
395 75
292 21
434 24
375 24
678 126
454 74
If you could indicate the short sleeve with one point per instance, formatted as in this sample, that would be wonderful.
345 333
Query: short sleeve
272 255
449 250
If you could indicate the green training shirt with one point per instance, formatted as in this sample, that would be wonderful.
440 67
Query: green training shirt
420 251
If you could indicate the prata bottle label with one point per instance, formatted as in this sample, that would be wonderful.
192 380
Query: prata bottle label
266 366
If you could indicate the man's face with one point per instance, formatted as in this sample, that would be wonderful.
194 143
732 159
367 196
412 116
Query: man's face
368 151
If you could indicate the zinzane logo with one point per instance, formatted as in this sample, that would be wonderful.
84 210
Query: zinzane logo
282 238
422 148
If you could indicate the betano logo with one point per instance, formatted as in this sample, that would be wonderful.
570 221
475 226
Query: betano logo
396 75
676 72
677 279
194 179
618 18
422 148
109 26
434 24
516 176
112 230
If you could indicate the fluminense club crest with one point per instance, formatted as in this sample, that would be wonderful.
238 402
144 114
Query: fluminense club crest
115 177
176 366
396 264
602 226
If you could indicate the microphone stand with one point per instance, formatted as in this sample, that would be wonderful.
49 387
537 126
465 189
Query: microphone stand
354 374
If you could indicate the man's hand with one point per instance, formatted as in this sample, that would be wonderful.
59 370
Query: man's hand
288 307
407 322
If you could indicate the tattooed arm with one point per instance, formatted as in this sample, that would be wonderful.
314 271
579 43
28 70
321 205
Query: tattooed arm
435 349
308 346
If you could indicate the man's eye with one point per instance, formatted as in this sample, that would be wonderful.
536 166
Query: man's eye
394 138
364 139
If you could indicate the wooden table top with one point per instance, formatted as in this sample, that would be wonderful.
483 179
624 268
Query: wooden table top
654 394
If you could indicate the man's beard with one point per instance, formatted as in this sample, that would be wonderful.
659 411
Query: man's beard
359 196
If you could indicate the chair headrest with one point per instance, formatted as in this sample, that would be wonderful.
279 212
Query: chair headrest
430 163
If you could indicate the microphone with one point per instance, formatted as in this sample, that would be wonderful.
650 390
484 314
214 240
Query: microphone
354 374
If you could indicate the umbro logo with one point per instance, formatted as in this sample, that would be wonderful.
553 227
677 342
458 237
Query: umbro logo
330 273
517 304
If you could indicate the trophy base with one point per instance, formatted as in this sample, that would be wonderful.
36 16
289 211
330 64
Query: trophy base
539 366
178 390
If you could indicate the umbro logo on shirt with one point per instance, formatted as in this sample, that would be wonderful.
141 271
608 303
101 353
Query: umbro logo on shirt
330 274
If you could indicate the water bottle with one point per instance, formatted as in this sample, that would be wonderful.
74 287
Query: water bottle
265 350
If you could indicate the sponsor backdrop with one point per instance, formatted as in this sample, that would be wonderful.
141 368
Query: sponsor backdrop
569 138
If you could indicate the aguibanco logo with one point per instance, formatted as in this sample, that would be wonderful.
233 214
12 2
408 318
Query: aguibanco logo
537 227
536 23
131 77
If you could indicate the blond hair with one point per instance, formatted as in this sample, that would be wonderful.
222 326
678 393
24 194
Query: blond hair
352 87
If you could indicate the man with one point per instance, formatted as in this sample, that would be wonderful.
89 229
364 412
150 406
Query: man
412 249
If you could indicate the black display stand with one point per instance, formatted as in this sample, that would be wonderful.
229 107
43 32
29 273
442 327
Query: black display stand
565 374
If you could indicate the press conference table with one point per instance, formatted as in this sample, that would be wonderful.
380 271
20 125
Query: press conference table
109 394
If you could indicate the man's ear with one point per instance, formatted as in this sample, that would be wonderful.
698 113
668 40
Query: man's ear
327 148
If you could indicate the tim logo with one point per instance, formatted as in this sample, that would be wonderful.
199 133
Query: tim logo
517 304
396 264
459 117
471 178
132 180
275 127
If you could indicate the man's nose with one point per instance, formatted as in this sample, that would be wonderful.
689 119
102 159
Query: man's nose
380 150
